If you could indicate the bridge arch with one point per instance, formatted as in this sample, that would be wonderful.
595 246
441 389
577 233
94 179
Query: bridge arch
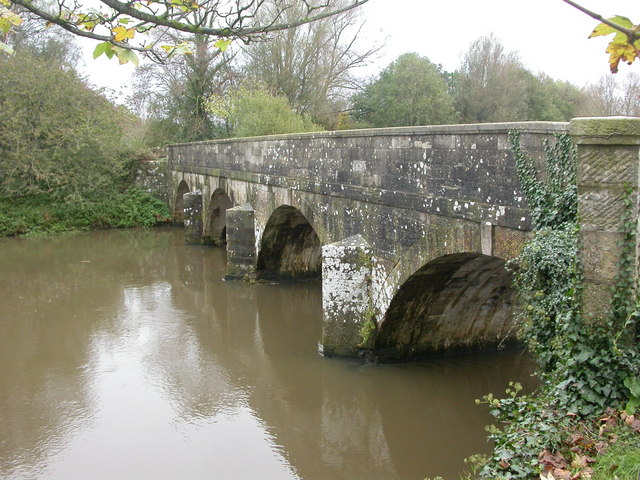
178 204
455 303
216 223
289 247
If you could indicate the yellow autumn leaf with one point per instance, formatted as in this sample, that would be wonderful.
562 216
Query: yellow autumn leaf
122 33
620 51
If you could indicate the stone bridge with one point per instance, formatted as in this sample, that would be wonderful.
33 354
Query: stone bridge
409 228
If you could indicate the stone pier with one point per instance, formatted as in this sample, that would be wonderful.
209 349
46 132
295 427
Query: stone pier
608 164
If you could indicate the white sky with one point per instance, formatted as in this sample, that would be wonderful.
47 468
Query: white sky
549 35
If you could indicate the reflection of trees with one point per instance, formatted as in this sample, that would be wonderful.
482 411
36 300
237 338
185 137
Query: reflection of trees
209 349
54 301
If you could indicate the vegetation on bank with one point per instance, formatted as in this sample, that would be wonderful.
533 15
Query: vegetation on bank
42 215
67 155
583 421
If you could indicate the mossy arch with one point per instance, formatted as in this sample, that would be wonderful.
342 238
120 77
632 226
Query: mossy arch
178 204
289 247
455 303
216 223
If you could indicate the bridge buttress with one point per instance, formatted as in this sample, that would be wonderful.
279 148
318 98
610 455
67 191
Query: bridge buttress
193 227
349 317
608 161
241 243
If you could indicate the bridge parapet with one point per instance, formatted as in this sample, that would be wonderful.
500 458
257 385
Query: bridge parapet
459 171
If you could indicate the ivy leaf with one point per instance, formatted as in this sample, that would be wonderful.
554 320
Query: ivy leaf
223 44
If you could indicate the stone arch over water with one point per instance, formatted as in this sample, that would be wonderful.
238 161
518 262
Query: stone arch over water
216 224
290 247
178 208
456 303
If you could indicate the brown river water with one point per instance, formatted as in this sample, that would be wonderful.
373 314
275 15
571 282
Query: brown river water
123 355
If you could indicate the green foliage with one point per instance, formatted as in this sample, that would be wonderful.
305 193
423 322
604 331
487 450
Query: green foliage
586 365
252 110
546 270
42 215
368 328
528 426
58 137
410 91
633 385
545 280
492 85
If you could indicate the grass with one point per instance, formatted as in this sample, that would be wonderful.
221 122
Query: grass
621 460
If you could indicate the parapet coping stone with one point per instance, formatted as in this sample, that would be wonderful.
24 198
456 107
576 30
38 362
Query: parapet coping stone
458 129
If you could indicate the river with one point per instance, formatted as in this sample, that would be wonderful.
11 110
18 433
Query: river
124 355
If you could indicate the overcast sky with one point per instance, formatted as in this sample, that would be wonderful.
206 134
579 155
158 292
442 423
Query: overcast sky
550 36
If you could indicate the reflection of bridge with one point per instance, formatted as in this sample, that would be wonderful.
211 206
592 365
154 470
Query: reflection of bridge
409 227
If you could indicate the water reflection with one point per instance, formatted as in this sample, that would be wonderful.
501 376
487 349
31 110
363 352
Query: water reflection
124 355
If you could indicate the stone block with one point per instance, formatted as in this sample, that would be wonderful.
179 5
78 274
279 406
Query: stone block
600 254
347 269
193 224
601 209
607 164
605 131
241 243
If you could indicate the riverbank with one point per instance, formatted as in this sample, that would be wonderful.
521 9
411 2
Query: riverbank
541 443
44 215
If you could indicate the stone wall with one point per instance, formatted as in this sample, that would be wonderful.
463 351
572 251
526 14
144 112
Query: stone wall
153 176
420 206
458 171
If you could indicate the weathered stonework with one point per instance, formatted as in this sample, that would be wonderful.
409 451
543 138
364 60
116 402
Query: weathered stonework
347 297
434 211
193 217
608 160
152 176
241 243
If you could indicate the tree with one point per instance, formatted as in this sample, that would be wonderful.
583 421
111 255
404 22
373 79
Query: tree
251 110
492 85
122 27
57 137
609 97
410 91
312 65
172 96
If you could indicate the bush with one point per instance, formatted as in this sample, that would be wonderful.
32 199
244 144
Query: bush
43 215
57 136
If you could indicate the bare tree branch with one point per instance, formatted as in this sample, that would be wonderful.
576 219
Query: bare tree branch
234 19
